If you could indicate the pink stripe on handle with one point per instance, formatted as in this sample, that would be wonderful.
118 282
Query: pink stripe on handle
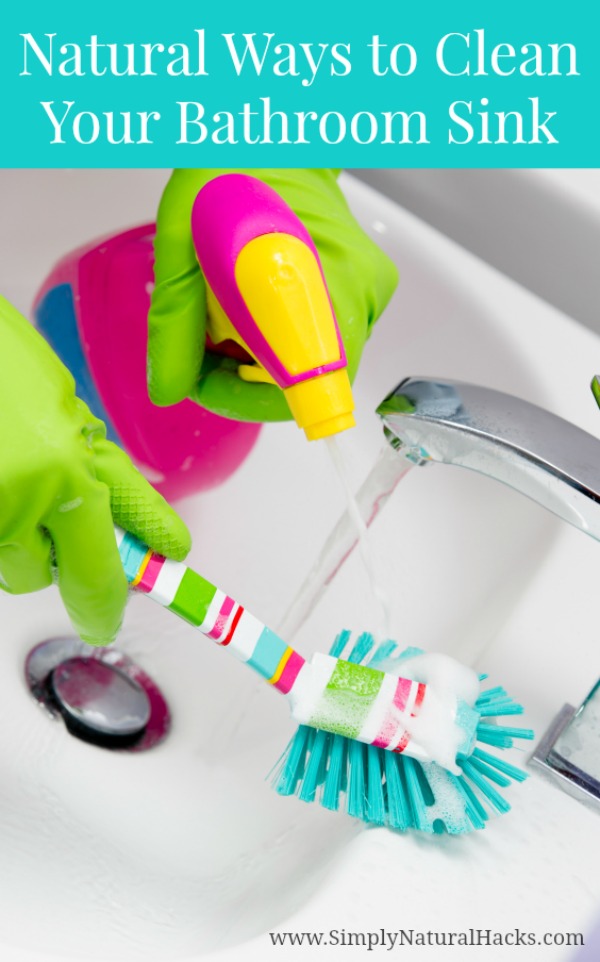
151 573
402 744
234 624
289 673
389 728
418 700
221 620
402 692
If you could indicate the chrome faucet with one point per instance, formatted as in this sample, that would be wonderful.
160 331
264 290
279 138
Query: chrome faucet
498 435
547 459
539 454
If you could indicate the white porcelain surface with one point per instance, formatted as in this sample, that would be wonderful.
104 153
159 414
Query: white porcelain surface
185 850
540 227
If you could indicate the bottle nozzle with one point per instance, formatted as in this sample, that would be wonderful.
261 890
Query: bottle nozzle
323 405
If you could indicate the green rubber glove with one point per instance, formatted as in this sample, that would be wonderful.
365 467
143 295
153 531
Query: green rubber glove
360 277
61 486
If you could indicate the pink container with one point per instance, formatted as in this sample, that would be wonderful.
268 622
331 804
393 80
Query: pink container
93 310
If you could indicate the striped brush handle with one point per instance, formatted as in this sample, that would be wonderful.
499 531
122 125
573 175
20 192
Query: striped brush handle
330 694
190 596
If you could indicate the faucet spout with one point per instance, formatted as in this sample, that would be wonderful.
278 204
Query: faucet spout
504 437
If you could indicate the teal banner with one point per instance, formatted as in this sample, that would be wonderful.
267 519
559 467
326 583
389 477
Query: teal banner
217 85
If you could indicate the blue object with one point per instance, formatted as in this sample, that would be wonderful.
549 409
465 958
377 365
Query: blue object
56 320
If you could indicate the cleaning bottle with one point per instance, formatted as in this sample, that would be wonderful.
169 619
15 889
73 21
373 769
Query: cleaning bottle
267 292
93 311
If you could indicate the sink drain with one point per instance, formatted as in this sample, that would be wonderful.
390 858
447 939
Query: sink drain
98 702
101 694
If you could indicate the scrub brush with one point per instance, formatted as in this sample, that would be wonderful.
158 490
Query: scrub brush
393 789
391 743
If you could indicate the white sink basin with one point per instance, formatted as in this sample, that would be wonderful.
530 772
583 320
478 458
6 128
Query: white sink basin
185 850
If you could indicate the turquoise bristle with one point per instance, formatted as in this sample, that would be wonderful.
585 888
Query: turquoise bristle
356 800
409 652
416 800
333 780
375 802
490 772
293 770
484 786
500 735
476 811
508 708
340 643
512 771
383 788
490 693
361 649
382 653
315 770
426 792
493 735
526 733
397 797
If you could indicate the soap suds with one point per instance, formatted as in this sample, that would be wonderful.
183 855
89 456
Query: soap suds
448 681
440 671
434 729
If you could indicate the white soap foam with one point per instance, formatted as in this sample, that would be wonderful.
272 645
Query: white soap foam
449 805
435 734
435 729
307 692
440 671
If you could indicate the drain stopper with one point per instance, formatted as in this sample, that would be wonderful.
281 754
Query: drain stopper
98 701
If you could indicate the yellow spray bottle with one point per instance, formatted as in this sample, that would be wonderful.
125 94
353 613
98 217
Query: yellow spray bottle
267 291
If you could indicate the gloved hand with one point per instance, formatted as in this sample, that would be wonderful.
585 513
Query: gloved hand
360 277
61 486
